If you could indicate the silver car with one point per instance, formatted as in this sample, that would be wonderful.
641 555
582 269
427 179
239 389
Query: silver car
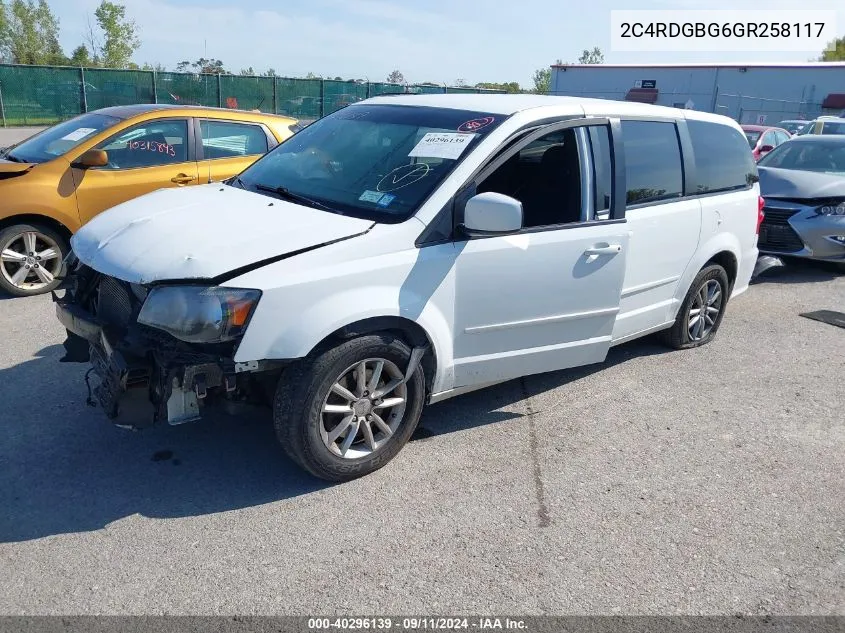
803 185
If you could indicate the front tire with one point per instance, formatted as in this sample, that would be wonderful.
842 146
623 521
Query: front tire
346 411
31 257
701 312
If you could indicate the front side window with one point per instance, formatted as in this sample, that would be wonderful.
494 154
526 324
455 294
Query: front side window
807 129
723 161
653 168
222 139
148 144
545 176
378 162
60 139
822 156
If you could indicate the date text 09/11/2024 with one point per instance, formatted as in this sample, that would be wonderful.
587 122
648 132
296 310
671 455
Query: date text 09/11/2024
416 623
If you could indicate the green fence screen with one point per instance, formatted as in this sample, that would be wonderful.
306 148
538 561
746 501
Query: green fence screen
42 95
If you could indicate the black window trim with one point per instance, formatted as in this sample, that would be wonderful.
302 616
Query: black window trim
190 142
200 150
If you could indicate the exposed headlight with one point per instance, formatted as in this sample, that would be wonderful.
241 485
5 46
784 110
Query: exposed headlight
199 314
832 209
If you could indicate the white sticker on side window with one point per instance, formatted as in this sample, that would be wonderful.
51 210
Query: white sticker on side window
448 145
79 134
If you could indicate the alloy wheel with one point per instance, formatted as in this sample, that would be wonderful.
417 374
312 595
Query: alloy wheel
704 310
364 408
30 260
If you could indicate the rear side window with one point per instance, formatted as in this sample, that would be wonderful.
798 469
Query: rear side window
652 161
833 127
222 139
723 160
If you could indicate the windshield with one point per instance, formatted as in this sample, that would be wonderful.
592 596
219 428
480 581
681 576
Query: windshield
752 137
377 162
59 139
806 129
820 157
791 126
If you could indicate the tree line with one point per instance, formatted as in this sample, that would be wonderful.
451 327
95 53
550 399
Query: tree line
29 34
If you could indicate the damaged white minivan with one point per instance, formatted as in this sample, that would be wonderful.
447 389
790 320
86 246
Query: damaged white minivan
406 249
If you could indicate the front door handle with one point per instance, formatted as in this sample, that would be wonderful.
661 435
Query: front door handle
611 249
183 179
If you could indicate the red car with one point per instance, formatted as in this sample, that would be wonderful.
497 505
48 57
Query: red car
763 139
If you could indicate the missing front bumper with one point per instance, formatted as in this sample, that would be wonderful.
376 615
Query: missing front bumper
148 384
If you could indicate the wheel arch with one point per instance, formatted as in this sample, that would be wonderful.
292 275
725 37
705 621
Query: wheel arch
406 329
723 249
727 260
35 218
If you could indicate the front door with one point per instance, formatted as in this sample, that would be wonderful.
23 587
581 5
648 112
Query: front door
227 148
545 298
142 158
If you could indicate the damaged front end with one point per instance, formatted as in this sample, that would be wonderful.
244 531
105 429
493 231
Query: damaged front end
146 371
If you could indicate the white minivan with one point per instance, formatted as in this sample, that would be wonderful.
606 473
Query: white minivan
406 249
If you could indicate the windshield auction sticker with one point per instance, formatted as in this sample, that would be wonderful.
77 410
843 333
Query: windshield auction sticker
448 145
78 134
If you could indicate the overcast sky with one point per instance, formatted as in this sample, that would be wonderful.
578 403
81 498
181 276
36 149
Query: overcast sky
431 40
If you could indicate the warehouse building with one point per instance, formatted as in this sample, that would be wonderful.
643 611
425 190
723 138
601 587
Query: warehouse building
748 93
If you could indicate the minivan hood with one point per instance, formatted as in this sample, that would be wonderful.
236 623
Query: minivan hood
203 232
792 183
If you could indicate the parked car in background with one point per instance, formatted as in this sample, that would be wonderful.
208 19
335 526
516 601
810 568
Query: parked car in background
407 249
803 184
763 139
824 125
54 182
792 125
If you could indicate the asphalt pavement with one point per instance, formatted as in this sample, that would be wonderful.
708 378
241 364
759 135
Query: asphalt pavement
12 135
704 481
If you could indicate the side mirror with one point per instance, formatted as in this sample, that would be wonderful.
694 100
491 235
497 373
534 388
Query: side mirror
492 213
92 158
767 148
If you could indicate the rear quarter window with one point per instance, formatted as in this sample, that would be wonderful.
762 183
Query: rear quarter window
723 160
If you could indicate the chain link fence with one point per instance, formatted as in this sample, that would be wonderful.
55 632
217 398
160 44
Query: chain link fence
43 95
747 109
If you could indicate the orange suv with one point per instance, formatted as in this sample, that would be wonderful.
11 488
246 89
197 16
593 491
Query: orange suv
54 182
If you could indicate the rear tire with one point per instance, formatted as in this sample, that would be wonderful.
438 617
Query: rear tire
31 259
320 402
701 312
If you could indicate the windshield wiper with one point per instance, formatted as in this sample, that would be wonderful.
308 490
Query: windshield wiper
7 156
284 192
